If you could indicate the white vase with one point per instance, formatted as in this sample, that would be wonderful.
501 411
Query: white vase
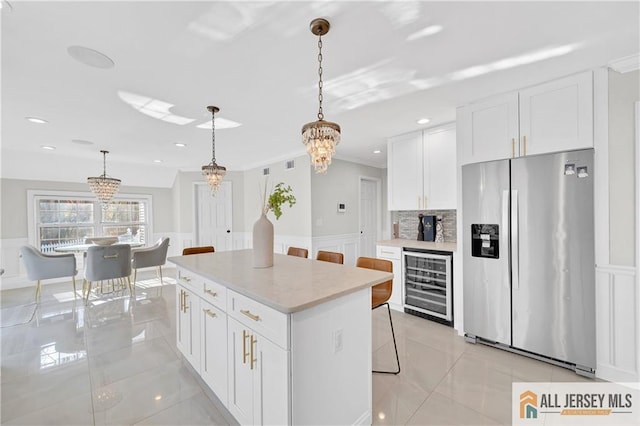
263 243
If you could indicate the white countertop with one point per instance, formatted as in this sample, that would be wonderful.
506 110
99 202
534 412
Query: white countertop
425 245
291 285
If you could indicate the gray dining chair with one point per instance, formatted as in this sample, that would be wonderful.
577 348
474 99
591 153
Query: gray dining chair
41 266
107 263
147 257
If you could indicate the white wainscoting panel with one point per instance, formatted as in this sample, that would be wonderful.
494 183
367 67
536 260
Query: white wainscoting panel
617 324
347 244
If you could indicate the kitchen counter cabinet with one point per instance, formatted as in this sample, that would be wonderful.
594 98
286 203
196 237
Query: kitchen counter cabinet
298 336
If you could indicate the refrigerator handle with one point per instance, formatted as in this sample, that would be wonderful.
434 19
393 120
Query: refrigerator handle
515 241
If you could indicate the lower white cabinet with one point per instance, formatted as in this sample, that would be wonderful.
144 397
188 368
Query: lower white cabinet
394 255
188 325
270 367
213 342
258 377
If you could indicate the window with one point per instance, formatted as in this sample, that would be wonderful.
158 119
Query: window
62 220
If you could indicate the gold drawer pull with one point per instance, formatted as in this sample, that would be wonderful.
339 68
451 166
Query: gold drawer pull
110 256
524 145
513 148
253 342
185 278
210 313
245 354
386 252
250 315
211 292
185 302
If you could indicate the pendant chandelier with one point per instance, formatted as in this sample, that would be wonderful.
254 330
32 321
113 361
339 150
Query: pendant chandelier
320 137
212 171
104 187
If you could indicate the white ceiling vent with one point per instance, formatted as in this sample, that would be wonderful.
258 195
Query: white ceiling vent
265 171
290 164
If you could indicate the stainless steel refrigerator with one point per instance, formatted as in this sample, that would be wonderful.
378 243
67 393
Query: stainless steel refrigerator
529 269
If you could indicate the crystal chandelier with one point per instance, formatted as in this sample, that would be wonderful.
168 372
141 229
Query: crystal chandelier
104 187
320 137
212 171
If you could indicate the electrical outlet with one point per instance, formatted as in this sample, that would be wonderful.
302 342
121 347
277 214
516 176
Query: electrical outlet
337 341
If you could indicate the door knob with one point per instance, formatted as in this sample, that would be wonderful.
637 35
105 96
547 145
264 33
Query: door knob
228 231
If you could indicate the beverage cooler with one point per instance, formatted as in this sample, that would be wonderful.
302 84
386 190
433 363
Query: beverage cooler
428 285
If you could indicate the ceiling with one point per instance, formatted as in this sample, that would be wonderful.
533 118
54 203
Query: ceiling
257 61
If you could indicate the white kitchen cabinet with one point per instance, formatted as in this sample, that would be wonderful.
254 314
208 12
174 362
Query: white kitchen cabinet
258 377
551 117
422 170
188 325
394 255
213 345
404 168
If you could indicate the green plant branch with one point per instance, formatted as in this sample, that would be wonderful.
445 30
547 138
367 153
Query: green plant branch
280 195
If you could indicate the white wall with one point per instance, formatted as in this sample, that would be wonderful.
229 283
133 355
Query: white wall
294 221
341 184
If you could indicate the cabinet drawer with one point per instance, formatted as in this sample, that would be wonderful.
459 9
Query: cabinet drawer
214 293
387 252
188 279
262 319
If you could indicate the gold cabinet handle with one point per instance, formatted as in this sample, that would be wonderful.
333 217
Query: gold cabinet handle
181 300
253 342
110 256
185 278
513 147
211 292
245 354
210 313
386 252
524 145
419 202
248 313
425 202
185 302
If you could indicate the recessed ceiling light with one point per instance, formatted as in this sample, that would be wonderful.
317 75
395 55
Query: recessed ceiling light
377 151
423 121
157 161
180 144
90 57
81 142
36 120
48 147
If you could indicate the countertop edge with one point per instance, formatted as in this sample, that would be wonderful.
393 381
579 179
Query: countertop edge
423 245
270 303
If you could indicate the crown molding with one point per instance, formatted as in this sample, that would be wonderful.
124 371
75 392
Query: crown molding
626 64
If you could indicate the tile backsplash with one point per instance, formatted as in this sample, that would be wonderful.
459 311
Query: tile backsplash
408 223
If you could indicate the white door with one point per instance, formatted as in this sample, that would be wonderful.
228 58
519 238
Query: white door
214 217
369 211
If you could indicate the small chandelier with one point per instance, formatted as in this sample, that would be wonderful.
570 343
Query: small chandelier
212 171
320 137
104 187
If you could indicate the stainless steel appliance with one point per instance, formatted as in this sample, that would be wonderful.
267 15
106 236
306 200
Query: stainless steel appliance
529 269
427 281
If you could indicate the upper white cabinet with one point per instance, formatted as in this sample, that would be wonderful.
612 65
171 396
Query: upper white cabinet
550 117
422 170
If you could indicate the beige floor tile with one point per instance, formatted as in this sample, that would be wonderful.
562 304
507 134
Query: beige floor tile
441 410
197 410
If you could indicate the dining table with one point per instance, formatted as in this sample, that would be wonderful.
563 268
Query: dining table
81 248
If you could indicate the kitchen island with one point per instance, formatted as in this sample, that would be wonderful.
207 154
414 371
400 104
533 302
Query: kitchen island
290 344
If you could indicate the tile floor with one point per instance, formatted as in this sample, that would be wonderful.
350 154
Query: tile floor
115 362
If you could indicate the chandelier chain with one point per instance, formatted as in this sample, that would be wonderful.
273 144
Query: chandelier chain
320 113
104 163
213 137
